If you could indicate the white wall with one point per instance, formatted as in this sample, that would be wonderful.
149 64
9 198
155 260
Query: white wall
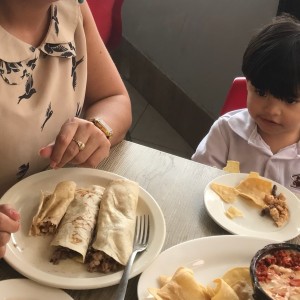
198 44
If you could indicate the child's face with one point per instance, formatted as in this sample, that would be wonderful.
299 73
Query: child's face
273 116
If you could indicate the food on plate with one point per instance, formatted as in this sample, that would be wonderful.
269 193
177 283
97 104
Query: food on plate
227 193
76 228
275 272
255 189
235 284
181 286
233 212
276 207
115 227
262 194
52 208
232 166
240 281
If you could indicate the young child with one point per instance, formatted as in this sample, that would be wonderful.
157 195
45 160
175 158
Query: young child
61 94
265 136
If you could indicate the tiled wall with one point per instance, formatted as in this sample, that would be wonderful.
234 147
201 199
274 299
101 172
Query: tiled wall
189 120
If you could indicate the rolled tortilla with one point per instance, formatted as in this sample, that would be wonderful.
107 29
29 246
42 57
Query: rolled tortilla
75 230
52 208
115 227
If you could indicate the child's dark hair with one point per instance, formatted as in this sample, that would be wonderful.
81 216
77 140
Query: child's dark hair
272 59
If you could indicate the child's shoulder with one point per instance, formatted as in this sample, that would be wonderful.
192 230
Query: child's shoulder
238 121
239 115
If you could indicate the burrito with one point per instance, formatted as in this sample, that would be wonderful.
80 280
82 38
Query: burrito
76 228
52 208
115 227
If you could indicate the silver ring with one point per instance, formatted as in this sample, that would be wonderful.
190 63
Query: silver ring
80 144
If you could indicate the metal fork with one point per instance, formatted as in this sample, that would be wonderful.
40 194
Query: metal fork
140 243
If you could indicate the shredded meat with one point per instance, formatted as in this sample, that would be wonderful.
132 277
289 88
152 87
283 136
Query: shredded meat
98 261
47 227
61 253
276 207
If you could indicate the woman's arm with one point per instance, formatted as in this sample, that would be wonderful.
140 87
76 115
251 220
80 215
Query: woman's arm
106 95
106 98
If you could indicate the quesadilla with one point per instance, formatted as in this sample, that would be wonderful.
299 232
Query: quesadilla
115 227
76 228
52 208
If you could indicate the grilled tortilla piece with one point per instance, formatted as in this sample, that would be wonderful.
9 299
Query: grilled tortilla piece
75 229
52 208
114 234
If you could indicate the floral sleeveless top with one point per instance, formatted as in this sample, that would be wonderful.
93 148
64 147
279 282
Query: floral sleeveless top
40 88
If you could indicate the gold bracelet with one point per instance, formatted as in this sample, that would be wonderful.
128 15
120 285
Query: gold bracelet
102 125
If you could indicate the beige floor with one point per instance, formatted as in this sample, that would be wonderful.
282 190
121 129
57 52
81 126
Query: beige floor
149 128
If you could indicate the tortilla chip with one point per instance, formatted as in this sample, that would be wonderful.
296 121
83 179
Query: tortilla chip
163 279
253 174
227 193
223 291
232 166
234 275
232 212
240 281
182 286
255 189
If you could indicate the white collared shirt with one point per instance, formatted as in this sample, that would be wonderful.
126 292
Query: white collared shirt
234 136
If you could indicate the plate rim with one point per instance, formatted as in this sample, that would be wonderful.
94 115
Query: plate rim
197 242
240 230
89 282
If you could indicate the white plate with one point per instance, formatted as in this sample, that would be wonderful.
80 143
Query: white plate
208 257
252 223
30 255
24 289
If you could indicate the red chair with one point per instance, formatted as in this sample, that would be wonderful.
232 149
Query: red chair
237 95
108 18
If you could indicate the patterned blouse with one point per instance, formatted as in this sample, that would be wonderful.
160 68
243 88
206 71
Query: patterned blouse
40 88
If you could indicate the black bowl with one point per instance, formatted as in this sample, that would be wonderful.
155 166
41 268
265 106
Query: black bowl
259 293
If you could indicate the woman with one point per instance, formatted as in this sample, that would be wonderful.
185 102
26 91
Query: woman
62 100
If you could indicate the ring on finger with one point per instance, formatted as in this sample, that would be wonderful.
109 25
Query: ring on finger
80 144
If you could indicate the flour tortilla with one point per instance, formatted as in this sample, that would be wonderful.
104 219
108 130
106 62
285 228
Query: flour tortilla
116 220
52 208
76 227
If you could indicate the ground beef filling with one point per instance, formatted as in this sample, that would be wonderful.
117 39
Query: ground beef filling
61 253
47 227
98 261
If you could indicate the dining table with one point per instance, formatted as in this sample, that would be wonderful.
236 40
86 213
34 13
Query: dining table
177 184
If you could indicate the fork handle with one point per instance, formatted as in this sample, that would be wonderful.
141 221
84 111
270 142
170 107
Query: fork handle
121 291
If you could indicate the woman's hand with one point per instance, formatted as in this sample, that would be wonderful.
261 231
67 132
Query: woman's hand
9 223
66 149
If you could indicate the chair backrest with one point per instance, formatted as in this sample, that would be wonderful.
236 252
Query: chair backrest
237 95
107 15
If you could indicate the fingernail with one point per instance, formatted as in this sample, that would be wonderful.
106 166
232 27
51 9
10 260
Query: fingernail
15 214
53 165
